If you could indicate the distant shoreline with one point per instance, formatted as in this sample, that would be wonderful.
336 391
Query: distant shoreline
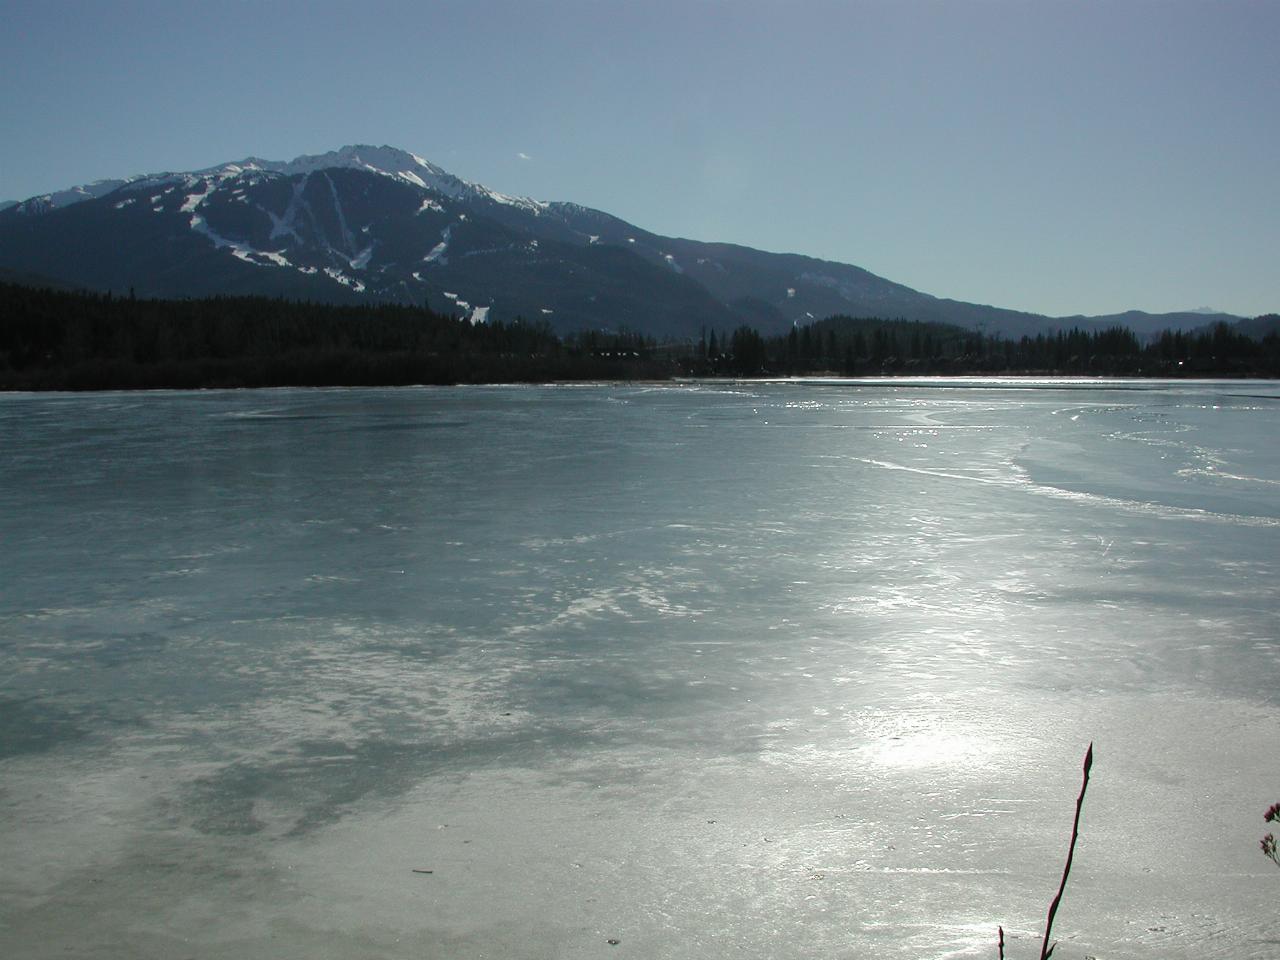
990 382
55 340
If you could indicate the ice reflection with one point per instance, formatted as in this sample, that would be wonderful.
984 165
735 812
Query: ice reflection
772 670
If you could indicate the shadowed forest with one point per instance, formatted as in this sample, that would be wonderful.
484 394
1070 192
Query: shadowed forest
58 340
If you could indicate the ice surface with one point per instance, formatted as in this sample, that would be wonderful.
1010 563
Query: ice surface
760 670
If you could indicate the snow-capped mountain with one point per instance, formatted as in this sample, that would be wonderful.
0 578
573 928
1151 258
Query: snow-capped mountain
377 223
383 161
360 223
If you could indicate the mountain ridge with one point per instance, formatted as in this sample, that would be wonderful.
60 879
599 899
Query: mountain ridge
367 223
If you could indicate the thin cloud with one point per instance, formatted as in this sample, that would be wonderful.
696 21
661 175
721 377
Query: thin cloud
523 156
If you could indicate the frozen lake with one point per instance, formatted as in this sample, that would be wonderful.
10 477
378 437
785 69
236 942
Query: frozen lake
763 671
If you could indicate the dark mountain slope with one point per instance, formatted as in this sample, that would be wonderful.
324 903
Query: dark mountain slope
375 224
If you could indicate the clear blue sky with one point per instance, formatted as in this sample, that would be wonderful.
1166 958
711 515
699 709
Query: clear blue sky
1061 157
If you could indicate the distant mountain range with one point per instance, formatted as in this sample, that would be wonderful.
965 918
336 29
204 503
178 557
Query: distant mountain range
380 224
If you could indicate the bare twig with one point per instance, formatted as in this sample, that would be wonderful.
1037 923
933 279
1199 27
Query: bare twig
1001 941
1046 948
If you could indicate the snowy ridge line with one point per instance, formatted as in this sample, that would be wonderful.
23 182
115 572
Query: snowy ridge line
64 198
386 161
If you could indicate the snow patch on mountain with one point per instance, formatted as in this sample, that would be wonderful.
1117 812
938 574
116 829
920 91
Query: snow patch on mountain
274 256
156 181
437 254
348 241
284 225
343 279
64 198
194 200
361 260
242 251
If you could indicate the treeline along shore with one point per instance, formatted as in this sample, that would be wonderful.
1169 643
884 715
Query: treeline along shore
54 340
863 347
60 340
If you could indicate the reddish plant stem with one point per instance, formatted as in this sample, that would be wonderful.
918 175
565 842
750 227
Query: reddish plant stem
1046 949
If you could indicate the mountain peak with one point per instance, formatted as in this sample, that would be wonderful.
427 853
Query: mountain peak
388 161
385 161
399 165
